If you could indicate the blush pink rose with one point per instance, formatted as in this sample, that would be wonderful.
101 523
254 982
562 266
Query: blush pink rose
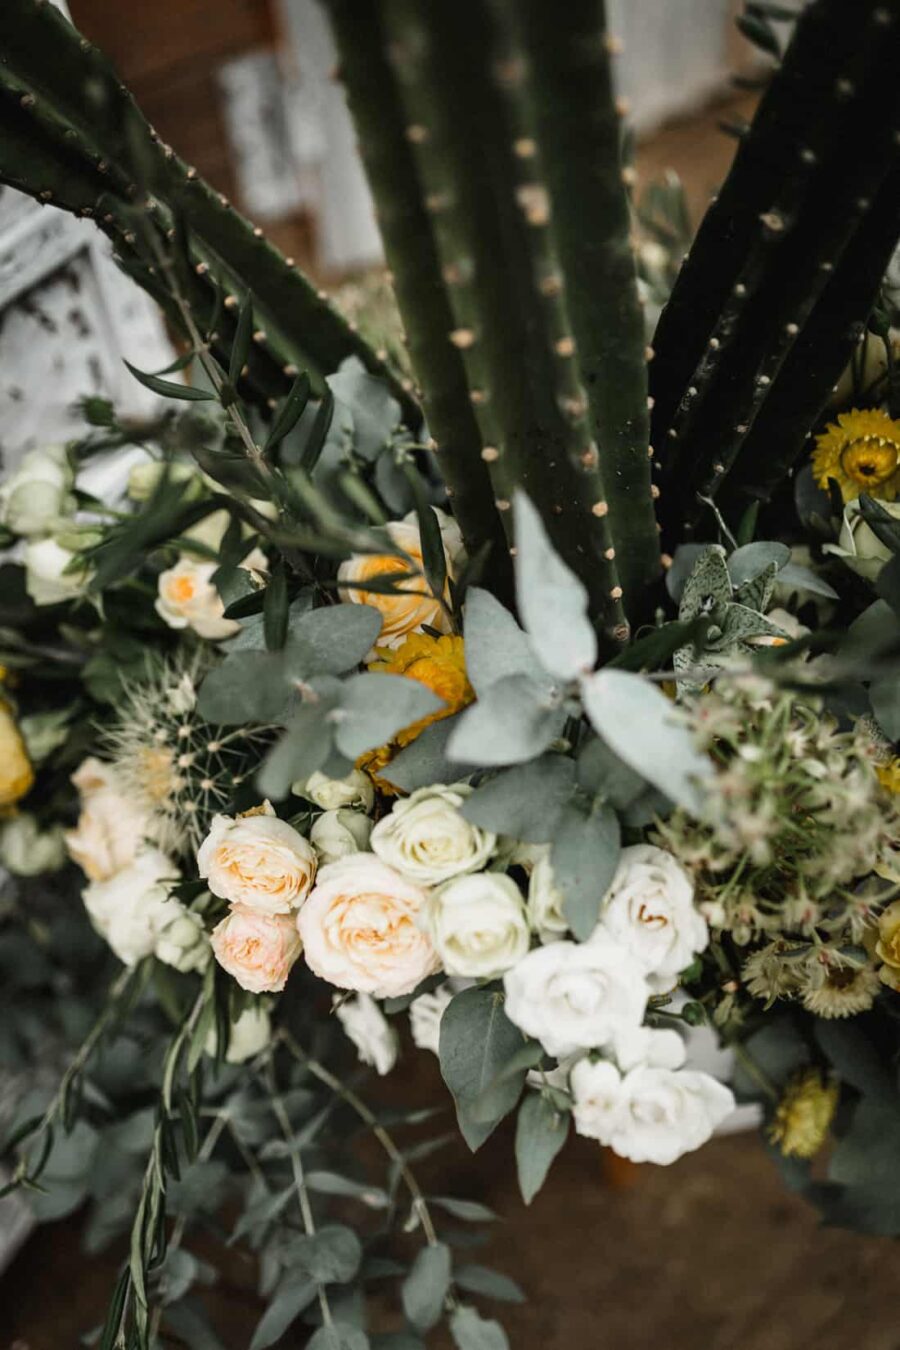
258 950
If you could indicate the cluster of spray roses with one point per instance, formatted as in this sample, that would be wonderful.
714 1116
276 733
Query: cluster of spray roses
379 909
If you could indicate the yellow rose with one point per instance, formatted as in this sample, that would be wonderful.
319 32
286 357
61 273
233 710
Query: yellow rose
887 948
16 773
413 606
258 861
258 950
360 928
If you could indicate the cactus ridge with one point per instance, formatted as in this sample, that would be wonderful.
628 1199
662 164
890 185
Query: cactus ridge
844 146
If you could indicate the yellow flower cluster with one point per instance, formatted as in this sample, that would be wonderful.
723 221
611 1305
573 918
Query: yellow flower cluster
437 662
861 452
804 1114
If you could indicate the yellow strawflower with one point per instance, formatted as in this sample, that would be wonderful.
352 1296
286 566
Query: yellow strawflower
804 1114
439 663
16 773
889 774
861 452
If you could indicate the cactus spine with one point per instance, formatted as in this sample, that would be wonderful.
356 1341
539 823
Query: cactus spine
776 250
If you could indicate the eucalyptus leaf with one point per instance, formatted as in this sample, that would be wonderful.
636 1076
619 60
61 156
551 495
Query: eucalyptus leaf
553 601
496 646
249 686
476 1041
425 760
514 720
884 695
748 562
373 708
800 578
426 1286
646 731
331 1255
524 802
302 750
584 856
488 1283
541 1131
470 1331
375 412
340 1336
331 640
290 1298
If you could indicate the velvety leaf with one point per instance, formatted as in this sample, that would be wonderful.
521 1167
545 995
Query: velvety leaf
477 1039
426 1286
584 855
602 773
804 579
524 802
514 720
373 708
473 1332
496 646
541 1131
748 562
249 686
553 601
302 750
646 731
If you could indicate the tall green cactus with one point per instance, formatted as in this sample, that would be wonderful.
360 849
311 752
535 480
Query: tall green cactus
476 83
92 132
785 267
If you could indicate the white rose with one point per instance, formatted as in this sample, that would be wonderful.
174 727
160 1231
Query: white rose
248 1035
144 479
478 924
38 493
258 861
650 910
426 836
648 1114
132 908
183 943
111 828
187 597
361 928
26 850
425 1013
658 1048
545 902
369 1030
576 996
355 790
46 578
858 544
334 834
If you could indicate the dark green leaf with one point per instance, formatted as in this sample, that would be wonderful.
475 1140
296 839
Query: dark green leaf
275 610
169 389
243 336
541 1131
290 412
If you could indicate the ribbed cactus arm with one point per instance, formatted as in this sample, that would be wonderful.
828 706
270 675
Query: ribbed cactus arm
518 366
569 80
63 80
416 274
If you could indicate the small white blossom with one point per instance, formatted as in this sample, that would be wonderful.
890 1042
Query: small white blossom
367 1027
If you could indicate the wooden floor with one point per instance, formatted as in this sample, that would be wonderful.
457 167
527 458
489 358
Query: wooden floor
709 1254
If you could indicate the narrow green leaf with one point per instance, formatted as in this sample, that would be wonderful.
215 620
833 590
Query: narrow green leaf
275 609
290 412
188 392
243 336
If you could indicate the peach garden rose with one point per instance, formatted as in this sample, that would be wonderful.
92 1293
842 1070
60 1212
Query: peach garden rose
258 861
257 950
360 928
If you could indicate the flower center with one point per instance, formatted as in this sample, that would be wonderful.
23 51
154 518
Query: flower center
869 460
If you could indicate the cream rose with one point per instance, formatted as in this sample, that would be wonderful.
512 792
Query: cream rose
258 950
650 910
576 996
132 908
111 828
257 861
858 544
478 924
334 834
27 850
367 1027
545 902
648 1114
39 492
250 1033
47 579
183 943
187 597
414 606
427 838
360 928
331 794
425 1013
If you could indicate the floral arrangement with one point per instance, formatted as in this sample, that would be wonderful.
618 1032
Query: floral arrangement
342 723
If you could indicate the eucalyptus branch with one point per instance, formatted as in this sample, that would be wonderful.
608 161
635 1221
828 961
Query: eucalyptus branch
368 1116
309 1223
